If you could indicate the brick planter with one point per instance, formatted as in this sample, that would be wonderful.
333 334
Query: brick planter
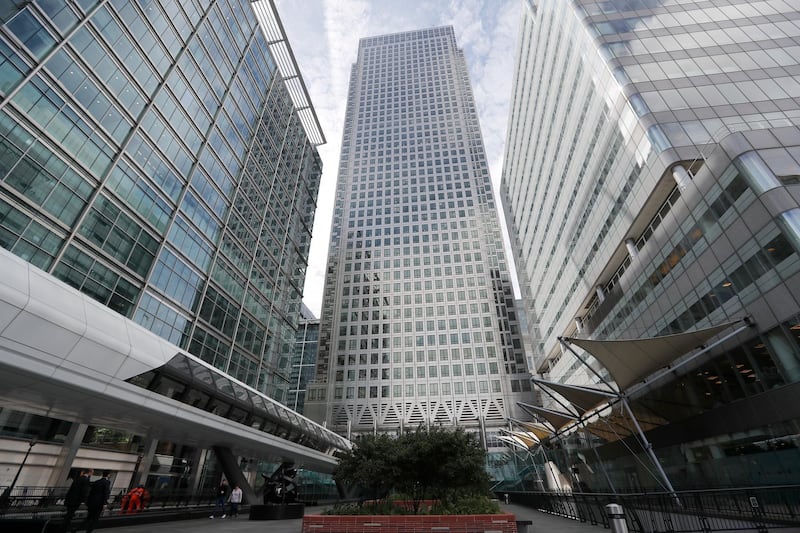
473 523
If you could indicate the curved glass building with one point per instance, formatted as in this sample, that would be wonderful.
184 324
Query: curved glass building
651 180
159 157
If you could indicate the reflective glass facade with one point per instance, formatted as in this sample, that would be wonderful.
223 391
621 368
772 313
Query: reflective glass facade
651 177
304 359
151 157
418 321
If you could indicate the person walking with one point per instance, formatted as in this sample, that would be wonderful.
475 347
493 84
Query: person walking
222 496
235 500
97 499
76 495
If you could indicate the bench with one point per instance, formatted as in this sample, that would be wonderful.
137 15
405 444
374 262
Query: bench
522 525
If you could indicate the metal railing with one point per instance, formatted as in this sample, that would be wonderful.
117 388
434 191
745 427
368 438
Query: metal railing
48 502
760 509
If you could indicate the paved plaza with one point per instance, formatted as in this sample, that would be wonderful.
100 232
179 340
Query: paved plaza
542 523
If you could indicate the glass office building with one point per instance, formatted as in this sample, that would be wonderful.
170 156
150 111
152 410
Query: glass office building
161 158
418 320
651 179
304 359
151 156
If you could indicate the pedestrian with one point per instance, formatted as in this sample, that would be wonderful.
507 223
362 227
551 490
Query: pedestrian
135 500
76 495
223 491
97 499
235 500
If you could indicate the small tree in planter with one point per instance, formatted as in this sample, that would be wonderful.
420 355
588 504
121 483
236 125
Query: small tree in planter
371 465
438 464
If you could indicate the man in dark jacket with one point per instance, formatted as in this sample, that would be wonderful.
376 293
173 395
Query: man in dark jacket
97 500
76 495
222 496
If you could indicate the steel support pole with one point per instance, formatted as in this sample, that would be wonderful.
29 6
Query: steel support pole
649 449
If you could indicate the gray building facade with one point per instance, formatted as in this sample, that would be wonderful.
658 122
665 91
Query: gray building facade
650 179
418 326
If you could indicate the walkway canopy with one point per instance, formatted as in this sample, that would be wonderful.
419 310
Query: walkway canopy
557 419
537 428
630 361
582 399
66 356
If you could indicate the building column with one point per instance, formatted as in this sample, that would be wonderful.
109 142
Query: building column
198 462
139 476
784 352
681 177
578 324
233 473
633 251
58 476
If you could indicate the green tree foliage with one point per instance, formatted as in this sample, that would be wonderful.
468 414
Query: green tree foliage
370 465
437 464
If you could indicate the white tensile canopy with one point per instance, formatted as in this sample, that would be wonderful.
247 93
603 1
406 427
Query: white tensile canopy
583 399
557 419
630 361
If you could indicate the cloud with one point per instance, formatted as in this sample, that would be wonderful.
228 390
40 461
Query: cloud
487 32
324 36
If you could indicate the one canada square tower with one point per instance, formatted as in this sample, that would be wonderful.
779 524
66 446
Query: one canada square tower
418 320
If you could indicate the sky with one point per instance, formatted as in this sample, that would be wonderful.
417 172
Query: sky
324 37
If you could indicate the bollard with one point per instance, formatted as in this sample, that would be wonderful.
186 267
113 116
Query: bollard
616 518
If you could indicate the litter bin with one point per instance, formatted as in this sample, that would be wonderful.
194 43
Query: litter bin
616 518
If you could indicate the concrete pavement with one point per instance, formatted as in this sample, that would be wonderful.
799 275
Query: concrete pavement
542 523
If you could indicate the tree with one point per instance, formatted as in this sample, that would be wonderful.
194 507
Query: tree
371 464
442 464
439 464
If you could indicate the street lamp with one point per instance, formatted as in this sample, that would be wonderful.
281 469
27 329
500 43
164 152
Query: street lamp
5 498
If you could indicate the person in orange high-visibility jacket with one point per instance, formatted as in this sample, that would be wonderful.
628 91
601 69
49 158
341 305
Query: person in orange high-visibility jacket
135 501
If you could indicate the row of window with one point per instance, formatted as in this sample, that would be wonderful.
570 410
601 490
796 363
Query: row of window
417 372
428 284
431 211
444 388
26 237
409 356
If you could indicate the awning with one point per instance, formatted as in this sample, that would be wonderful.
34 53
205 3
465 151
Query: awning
537 428
528 438
557 419
615 425
582 398
513 441
631 361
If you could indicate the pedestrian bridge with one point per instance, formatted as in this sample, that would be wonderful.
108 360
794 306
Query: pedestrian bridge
66 356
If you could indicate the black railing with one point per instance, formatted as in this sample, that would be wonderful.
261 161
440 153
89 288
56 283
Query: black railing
758 509
48 502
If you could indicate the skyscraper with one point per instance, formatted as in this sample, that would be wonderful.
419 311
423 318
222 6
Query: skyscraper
418 322
651 178
161 158
162 171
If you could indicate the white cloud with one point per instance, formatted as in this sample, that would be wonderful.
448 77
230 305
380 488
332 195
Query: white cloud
324 36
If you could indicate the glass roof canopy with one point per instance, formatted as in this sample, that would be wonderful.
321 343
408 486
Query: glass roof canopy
189 380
